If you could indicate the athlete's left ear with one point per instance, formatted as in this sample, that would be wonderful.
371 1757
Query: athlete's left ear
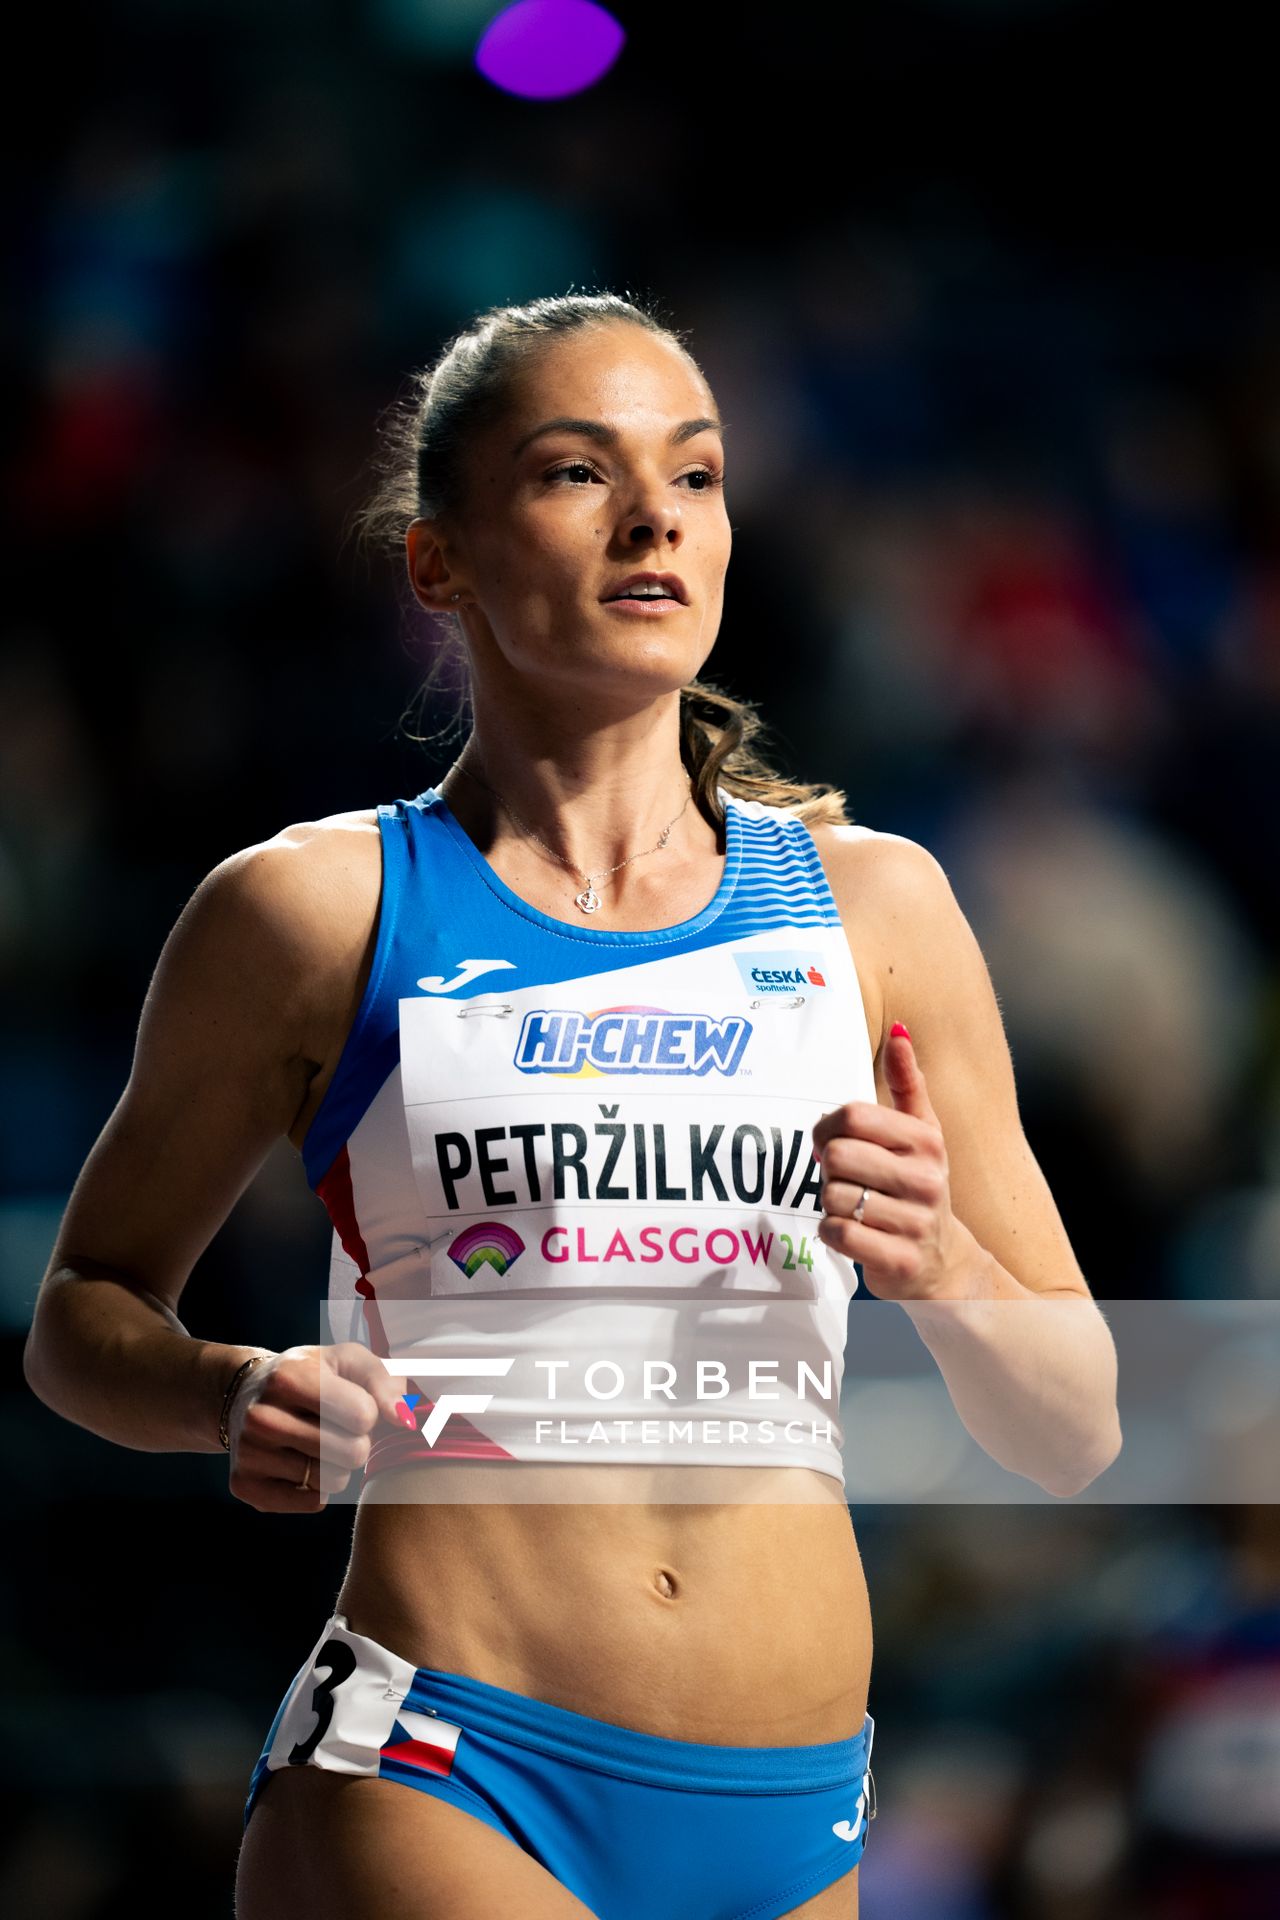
433 572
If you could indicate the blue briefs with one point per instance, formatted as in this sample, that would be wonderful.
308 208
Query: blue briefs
632 1823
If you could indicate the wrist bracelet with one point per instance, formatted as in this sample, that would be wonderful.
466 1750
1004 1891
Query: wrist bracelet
245 1367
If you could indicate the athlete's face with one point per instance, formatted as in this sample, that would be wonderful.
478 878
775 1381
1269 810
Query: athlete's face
607 464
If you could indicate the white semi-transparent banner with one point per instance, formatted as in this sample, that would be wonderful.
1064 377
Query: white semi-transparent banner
582 1397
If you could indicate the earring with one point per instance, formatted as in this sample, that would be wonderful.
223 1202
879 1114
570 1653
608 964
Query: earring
455 596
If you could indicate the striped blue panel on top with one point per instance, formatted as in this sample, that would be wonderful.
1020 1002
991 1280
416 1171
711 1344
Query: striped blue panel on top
781 882
442 903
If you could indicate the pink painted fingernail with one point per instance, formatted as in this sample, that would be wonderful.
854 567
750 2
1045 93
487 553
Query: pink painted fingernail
898 1028
404 1414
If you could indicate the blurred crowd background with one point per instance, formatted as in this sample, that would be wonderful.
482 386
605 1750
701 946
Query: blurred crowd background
988 292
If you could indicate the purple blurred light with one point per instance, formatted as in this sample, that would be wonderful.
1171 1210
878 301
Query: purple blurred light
545 49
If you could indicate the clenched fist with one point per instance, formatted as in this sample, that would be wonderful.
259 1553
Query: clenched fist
308 1414
892 1163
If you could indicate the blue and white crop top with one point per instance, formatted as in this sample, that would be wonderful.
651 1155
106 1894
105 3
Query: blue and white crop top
570 1169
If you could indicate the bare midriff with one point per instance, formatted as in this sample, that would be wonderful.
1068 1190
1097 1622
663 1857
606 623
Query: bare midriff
722 1605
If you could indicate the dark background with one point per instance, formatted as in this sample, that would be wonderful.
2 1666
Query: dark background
989 294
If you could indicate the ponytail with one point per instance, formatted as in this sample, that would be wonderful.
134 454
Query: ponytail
718 737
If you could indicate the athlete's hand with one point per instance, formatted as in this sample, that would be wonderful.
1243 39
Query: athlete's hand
316 1405
908 1243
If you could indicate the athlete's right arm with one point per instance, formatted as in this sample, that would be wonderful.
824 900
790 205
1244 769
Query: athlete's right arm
225 1050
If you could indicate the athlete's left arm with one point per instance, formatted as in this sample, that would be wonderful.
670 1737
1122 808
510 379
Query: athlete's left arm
969 1238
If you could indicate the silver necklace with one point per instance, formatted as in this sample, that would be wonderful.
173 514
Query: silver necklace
588 901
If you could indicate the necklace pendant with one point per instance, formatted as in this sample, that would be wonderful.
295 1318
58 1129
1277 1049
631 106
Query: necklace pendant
588 900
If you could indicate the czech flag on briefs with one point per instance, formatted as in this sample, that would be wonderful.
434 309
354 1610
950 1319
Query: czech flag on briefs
422 1740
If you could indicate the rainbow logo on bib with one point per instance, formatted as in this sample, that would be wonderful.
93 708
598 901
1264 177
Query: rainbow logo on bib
490 1243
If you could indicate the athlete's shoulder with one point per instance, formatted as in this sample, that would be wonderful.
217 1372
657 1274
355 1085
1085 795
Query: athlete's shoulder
287 917
319 853
302 872
867 865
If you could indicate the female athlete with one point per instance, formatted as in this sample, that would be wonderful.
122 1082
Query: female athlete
613 1027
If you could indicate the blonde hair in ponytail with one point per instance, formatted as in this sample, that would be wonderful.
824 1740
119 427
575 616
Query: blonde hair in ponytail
718 736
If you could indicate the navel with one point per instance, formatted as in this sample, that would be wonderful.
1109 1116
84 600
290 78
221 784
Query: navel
665 1582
